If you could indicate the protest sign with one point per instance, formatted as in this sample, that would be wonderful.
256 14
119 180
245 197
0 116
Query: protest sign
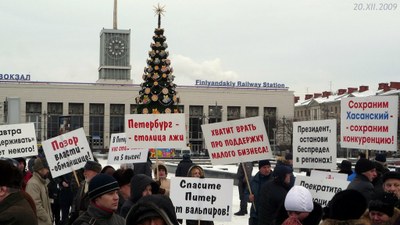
314 144
67 152
369 123
155 130
236 141
329 175
202 198
18 140
322 189
119 153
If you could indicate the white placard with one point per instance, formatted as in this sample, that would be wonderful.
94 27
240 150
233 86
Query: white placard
322 189
329 175
119 153
67 152
236 141
18 140
314 144
369 123
155 130
202 198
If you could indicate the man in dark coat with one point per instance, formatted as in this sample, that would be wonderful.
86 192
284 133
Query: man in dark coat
103 195
16 207
366 173
184 166
141 185
244 168
273 195
262 176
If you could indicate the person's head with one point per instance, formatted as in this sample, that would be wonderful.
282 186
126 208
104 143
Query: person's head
380 157
196 171
103 191
362 155
346 205
289 158
345 167
10 179
142 185
367 168
22 163
264 167
91 169
109 170
152 210
391 182
162 171
123 177
41 167
282 174
298 202
186 156
381 209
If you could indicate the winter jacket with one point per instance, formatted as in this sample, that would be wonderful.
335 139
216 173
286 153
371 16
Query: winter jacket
240 174
363 185
394 220
345 222
273 195
139 183
96 216
16 210
183 166
255 184
37 189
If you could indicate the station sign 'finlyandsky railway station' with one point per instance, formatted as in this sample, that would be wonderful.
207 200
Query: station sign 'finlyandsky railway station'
241 84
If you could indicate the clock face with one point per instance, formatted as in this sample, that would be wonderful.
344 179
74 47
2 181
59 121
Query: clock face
116 47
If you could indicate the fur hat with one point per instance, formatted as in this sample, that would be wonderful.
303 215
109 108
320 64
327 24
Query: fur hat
299 199
39 164
364 165
152 206
346 205
262 163
390 175
11 176
102 184
384 203
123 176
93 165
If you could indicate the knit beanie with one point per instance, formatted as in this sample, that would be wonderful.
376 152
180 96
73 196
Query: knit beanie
123 176
280 172
102 184
39 164
299 199
364 165
384 203
346 205
262 163
93 165
390 175
10 176
152 206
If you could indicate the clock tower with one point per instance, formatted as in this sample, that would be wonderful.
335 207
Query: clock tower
115 54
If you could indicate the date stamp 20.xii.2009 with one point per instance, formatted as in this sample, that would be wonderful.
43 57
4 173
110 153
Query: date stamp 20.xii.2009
365 6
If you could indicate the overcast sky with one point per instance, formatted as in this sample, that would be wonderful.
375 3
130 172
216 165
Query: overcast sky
308 45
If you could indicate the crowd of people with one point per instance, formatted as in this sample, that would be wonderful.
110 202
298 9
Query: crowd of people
120 196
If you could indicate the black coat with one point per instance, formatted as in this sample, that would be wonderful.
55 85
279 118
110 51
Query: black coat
273 194
183 167
364 186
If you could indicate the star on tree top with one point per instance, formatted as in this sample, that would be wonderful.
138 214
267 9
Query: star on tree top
159 10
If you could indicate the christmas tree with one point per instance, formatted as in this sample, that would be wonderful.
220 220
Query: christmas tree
157 94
